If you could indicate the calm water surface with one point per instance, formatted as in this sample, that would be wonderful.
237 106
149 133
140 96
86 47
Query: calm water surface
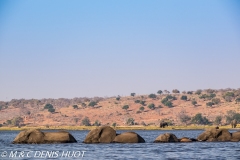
148 150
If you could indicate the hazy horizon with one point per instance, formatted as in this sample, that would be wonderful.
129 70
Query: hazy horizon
67 49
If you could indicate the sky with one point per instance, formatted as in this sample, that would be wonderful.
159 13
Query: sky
67 49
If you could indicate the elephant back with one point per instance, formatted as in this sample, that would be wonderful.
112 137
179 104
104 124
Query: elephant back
128 137
59 137
104 134
166 137
235 136
38 137
215 135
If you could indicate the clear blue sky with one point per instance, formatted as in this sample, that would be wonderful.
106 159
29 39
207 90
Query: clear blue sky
67 49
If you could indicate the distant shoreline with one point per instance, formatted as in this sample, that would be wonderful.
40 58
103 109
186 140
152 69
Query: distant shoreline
116 128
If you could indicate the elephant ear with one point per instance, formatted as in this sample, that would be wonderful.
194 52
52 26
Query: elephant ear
106 134
35 136
23 136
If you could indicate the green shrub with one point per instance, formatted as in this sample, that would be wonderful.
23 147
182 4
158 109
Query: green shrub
212 95
184 98
169 104
198 92
159 92
97 123
164 100
175 91
52 110
133 94
137 101
238 100
189 92
118 98
48 106
209 97
125 107
199 119
210 90
142 103
218 120
92 103
194 102
231 115
86 122
204 96
141 108
114 124
152 95
16 121
216 100
209 104
75 106
130 121
151 106
230 94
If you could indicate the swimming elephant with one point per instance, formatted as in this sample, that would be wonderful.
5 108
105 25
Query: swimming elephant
185 139
236 136
163 124
128 137
166 137
38 137
234 123
104 134
215 134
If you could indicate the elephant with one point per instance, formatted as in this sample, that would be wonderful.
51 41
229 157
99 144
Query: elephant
36 136
128 137
235 136
185 139
166 137
104 134
234 123
215 134
163 124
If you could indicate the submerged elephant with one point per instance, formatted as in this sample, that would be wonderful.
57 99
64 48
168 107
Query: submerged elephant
107 134
166 137
38 137
163 124
128 137
234 123
215 134
104 134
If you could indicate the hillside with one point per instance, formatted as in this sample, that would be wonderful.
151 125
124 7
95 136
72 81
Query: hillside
110 110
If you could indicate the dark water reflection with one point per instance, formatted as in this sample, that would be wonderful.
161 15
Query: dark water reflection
148 150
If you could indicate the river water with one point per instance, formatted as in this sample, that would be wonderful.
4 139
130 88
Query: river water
148 150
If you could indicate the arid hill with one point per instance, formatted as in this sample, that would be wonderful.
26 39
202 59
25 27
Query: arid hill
215 107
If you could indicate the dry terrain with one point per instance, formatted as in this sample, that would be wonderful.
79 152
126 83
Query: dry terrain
109 110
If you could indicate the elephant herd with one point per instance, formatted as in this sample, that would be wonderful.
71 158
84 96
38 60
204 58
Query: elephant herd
107 134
